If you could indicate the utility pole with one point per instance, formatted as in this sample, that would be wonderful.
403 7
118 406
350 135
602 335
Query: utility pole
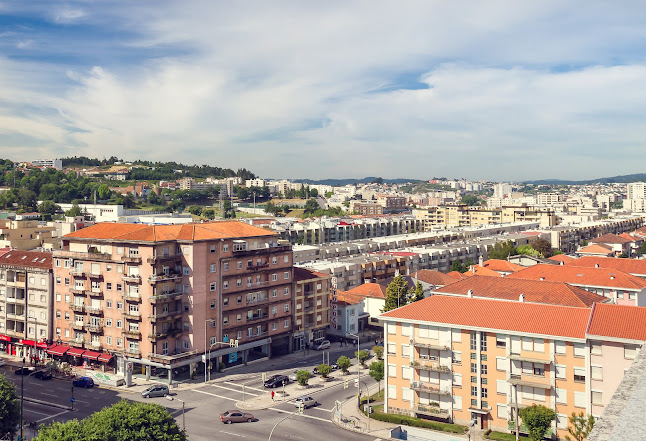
358 366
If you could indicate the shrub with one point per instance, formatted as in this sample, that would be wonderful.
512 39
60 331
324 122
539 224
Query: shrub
416 422
303 377
324 370
344 363
362 356
379 351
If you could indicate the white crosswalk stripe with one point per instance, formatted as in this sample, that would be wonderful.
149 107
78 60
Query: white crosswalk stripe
235 390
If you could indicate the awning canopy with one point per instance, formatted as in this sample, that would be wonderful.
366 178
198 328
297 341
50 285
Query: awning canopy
58 350
26 342
5 338
477 410
105 357
76 352
91 355
41 345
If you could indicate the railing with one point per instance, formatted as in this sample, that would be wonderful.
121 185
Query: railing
77 272
94 310
164 297
539 381
257 267
95 292
162 258
15 299
133 352
173 357
164 315
154 336
134 258
164 277
94 328
83 256
431 410
13 315
134 296
131 278
131 334
95 275
132 315
251 302
267 250
257 317
77 290
425 387
77 308
434 346
77 326
76 343
430 365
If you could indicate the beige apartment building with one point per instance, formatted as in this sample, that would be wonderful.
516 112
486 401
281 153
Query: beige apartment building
23 234
157 296
461 215
26 302
311 306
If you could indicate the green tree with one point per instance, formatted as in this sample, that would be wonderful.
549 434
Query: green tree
9 408
328 194
311 207
538 420
528 250
104 192
580 426
379 351
26 199
470 200
195 209
362 356
344 363
74 211
377 372
396 294
228 211
642 250
418 294
47 209
209 213
502 250
324 369
543 246
456 265
303 377
123 421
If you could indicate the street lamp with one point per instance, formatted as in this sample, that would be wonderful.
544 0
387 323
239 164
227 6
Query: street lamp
22 395
358 365
169 398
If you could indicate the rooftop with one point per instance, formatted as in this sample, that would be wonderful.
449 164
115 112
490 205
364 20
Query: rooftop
630 266
576 275
29 259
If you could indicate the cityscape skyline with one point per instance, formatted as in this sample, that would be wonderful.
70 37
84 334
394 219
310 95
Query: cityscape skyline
499 92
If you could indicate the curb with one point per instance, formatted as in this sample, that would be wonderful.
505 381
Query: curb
47 403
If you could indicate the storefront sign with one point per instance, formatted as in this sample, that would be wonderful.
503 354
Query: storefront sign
5 338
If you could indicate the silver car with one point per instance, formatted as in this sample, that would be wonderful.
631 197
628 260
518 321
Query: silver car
156 390
307 402
325 344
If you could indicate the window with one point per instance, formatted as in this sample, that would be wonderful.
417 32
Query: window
286 275
58 314
405 350
58 296
597 399
119 324
212 286
392 392
579 374
391 328
501 387
473 342
456 335
226 266
483 369
474 379
58 280
580 400
484 395
186 270
108 303
595 348
239 317
579 349
274 277
212 249
407 394
596 372
119 287
630 352
225 301
559 371
213 304
239 282
474 391
274 310
457 380
392 348
286 290
392 370
119 305
108 340
274 260
501 364
225 320
213 268
286 323
108 322
474 368
528 344
67 316
483 357
225 284
502 411
561 396
239 265
286 258
239 300
501 341
108 286
119 342
274 293
483 341
561 421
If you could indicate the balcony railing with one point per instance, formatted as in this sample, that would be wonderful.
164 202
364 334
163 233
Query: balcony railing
131 278
256 317
431 389
538 381
132 315
164 297
77 290
77 326
133 352
430 366
257 266
129 333
154 336
104 257
431 410
94 328
15 299
94 310
77 272
132 258
95 292
162 258
13 315
162 315
76 343
132 296
77 308
164 277
95 275
434 346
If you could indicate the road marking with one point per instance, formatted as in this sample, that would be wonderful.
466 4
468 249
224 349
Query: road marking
304 416
246 387
234 434
52 416
235 390
50 395
214 395
35 411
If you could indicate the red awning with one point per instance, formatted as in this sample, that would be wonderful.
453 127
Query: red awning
22 341
58 350
41 345
5 338
105 357
91 355
76 352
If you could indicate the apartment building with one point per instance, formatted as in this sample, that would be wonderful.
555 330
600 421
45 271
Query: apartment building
392 203
157 296
497 356
23 234
461 215
311 306
26 302
365 208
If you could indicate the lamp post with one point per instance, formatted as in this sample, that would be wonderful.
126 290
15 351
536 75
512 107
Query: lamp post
358 365
169 398
231 343
35 335
22 396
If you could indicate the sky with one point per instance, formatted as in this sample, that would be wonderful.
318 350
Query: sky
495 90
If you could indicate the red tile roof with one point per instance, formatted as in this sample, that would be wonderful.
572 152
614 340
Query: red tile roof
369 290
530 318
345 298
630 266
154 233
611 238
457 275
433 277
576 275
481 271
618 321
502 266
29 259
301 274
596 248
535 291
562 258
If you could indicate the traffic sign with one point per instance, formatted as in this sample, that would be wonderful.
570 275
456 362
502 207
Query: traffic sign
72 399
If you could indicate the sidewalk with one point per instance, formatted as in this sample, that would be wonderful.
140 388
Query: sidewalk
349 417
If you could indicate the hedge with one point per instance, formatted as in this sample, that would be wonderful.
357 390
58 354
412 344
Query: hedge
416 422
500 436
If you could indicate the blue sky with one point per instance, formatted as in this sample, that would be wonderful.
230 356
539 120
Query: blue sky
498 90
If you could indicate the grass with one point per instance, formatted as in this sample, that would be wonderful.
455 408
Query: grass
379 396
501 436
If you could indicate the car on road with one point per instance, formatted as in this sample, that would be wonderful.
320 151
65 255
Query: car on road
24 371
43 375
307 402
83 382
294 377
334 367
235 416
276 381
156 390
323 344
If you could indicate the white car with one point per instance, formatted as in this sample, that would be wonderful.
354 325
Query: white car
325 344
307 402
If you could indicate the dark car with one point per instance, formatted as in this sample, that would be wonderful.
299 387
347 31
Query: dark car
276 381
24 371
83 382
235 416
43 375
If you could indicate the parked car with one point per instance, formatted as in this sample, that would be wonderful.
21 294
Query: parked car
334 367
25 371
2 363
276 381
323 344
294 377
235 416
156 390
307 402
83 382
43 375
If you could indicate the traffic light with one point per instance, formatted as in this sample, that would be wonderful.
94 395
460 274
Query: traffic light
301 406
345 384
233 343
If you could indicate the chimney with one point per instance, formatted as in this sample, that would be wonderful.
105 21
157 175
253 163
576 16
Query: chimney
470 293
612 277
481 261
521 298
596 265
562 263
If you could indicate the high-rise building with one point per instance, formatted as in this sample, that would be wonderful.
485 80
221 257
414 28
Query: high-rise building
161 295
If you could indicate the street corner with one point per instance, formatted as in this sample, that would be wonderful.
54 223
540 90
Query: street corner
259 403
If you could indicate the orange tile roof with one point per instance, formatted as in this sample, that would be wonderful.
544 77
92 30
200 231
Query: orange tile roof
369 290
344 297
457 275
29 259
618 321
611 238
433 277
301 274
630 266
502 266
629 237
530 318
562 258
155 233
481 271
535 291
576 275
596 248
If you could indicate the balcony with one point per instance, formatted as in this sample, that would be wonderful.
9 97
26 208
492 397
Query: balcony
94 310
256 317
95 275
131 315
434 346
76 343
77 308
257 266
14 316
133 352
77 326
131 278
77 272
95 292
129 333
164 315
165 297
261 251
163 258
539 381
94 328
15 300
429 410
429 388
131 258
96 345
18 283
132 296
518 357
100 257
157 336
77 290
430 365
164 278
257 300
